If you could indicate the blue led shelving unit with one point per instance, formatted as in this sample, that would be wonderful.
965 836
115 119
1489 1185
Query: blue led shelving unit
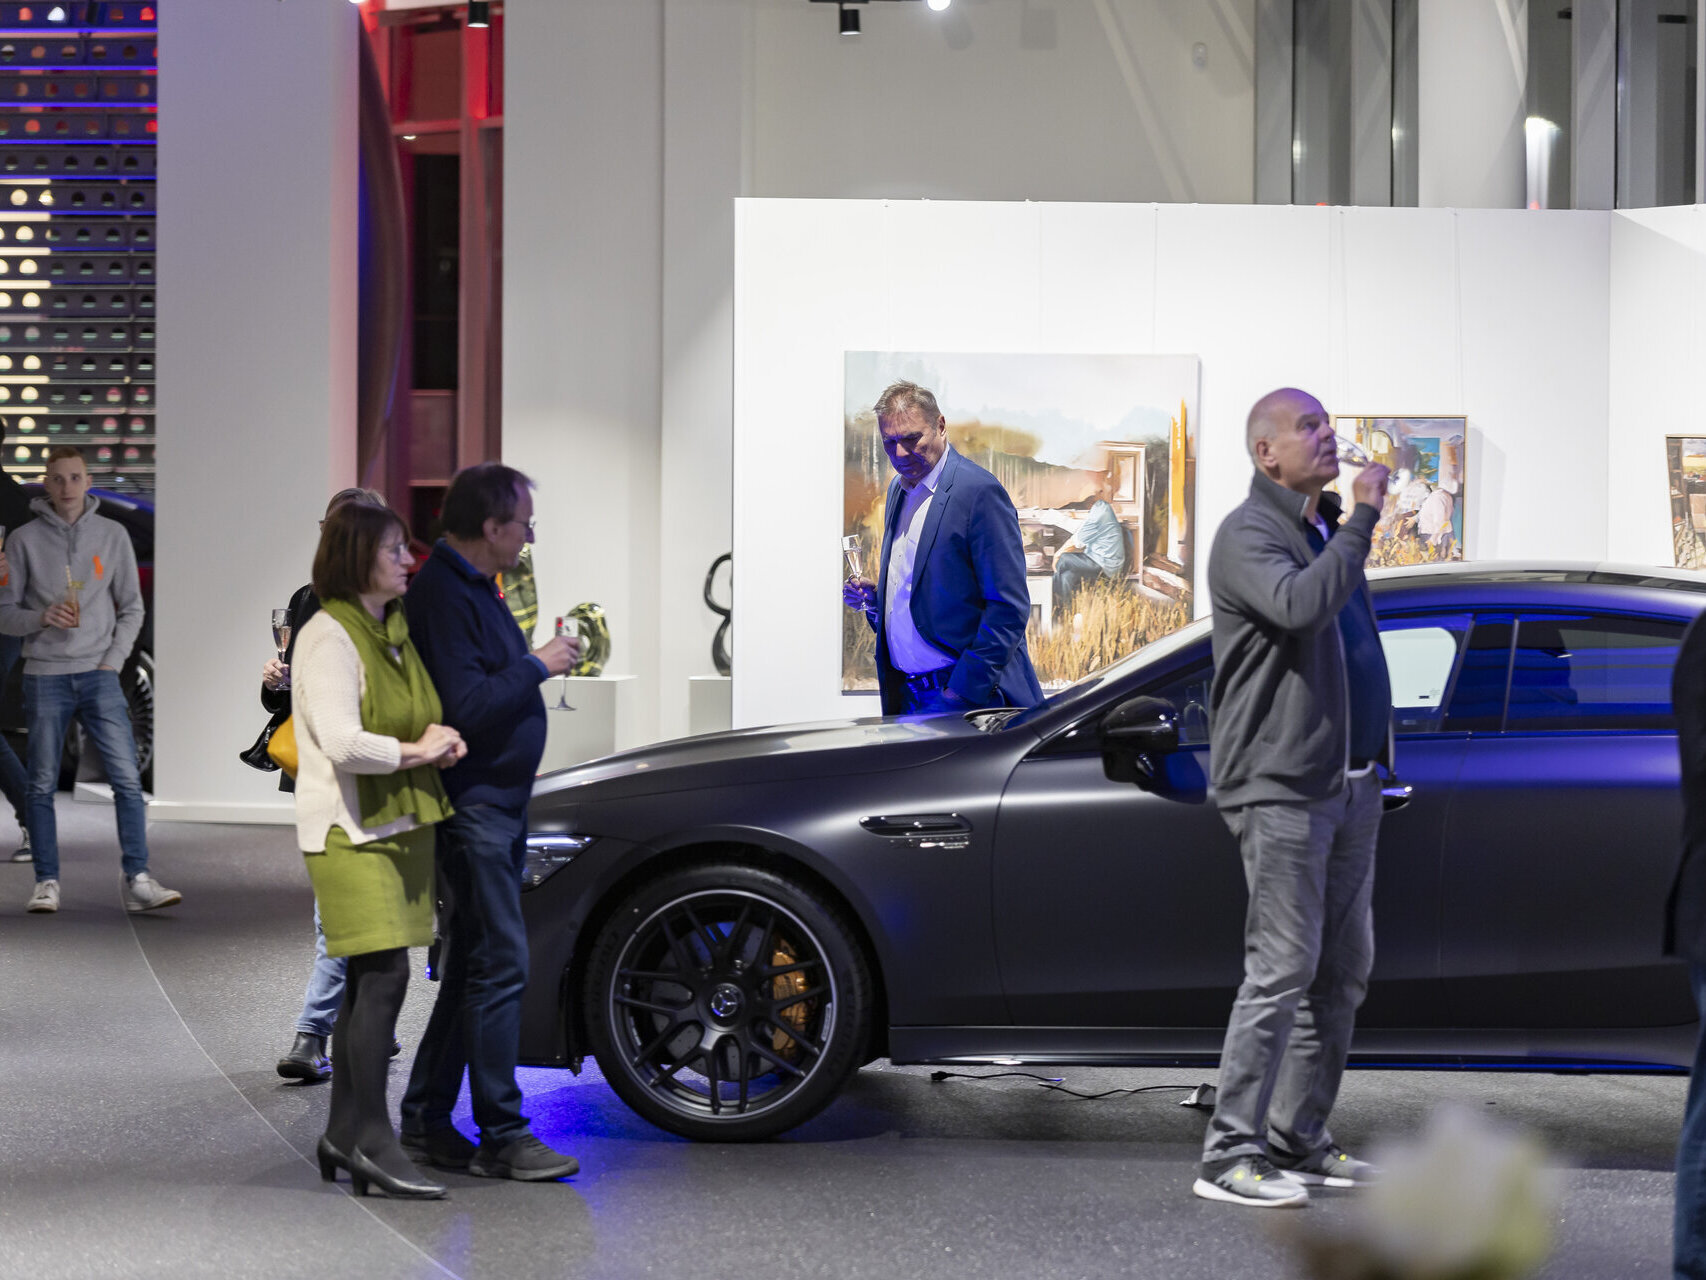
78 128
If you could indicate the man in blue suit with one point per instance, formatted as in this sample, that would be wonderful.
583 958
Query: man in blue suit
950 605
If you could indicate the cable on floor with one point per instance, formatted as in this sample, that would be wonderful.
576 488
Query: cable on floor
1200 1096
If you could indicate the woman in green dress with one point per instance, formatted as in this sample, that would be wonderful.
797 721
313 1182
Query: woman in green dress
369 750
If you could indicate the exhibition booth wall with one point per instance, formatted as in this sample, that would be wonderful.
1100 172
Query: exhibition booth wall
1571 342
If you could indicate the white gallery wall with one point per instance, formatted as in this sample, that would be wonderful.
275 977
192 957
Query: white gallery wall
257 345
631 126
1658 368
1499 315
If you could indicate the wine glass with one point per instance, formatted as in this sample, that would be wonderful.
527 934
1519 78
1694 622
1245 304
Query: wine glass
850 548
281 631
563 687
1352 453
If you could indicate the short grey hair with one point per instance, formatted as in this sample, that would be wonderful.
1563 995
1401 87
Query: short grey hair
902 397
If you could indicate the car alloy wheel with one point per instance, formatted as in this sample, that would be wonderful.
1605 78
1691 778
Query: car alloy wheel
727 1003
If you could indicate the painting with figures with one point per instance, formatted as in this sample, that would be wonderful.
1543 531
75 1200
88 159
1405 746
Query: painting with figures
1097 452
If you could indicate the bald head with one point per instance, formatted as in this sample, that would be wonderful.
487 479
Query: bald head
1290 438
1275 412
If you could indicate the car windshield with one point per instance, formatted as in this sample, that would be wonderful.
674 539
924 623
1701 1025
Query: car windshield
1153 652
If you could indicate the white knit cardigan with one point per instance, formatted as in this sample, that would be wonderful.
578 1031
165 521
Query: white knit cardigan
327 680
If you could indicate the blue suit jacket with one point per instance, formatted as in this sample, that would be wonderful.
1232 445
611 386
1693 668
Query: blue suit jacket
968 598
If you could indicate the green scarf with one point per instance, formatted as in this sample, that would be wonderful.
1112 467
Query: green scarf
399 702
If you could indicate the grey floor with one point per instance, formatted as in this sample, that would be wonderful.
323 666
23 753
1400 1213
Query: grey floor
144 1132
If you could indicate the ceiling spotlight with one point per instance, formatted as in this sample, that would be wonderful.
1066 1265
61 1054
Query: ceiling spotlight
939 5
479 13
849 21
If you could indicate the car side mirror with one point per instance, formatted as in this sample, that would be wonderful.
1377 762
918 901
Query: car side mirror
1133 734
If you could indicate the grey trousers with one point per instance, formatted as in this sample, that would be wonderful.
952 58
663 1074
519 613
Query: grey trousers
1308 949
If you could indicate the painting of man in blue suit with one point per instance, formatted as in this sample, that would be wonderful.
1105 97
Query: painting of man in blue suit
950 603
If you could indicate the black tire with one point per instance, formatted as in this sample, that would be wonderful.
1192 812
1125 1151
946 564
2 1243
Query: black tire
727 1003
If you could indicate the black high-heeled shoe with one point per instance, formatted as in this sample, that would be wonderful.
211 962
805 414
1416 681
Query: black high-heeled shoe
331 1159
363 1172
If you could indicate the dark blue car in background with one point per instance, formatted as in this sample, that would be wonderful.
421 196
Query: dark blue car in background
734 923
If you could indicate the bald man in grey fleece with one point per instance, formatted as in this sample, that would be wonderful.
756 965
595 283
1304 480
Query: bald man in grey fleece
1301 711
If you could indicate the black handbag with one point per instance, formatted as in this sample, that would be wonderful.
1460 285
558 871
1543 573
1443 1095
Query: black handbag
256 757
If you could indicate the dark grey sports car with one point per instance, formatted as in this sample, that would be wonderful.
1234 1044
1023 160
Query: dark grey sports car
735 923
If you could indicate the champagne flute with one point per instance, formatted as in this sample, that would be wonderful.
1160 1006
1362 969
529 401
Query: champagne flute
851 549
281 631
1353 454
563 687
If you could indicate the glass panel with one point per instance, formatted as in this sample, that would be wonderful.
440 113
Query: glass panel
1406 185
1420 655
1320 104
1593 673
1656 81
1550 81
1188 692
1478 701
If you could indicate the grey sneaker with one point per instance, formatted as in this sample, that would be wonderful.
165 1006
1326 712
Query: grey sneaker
525 1159
22 852
45 897
1251 1180
1327 1168
142 892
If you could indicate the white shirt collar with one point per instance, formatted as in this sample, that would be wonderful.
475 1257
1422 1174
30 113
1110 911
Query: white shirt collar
933 477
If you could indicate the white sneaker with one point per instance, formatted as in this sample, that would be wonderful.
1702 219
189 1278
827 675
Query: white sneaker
22 852
45 897
142 892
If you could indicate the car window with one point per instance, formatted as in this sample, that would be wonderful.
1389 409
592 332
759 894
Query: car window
1592 672
1478 697
1421 653
1188 693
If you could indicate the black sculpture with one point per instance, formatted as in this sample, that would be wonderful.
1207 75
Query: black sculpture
720 642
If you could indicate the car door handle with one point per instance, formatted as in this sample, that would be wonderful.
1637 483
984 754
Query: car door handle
921 830
1395 795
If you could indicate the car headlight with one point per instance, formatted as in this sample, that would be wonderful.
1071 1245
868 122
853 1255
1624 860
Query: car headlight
547 854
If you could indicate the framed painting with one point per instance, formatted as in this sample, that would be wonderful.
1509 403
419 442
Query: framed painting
1422 522
1079 442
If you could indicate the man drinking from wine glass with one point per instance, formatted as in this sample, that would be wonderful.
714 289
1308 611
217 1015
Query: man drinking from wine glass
73 593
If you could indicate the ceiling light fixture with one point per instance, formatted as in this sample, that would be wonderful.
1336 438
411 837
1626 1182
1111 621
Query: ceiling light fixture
939 5
849 21
479 13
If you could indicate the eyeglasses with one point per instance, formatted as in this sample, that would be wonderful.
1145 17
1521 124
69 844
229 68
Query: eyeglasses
397 551
525 524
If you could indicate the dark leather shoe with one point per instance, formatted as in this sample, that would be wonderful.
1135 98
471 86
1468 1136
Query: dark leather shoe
396 1046
442 1148
331 1159
363 1173
306 1060
525 1159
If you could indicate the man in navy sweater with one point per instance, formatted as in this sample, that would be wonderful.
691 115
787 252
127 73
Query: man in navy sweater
489 684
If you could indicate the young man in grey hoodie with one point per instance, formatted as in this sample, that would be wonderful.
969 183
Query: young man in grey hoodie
72 592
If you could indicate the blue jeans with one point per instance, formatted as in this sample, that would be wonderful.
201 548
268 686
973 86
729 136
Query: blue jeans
325 987
95 698
14 782
476 1020
1689 1238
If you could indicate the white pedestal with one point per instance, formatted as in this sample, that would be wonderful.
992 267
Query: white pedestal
710 704
602 720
